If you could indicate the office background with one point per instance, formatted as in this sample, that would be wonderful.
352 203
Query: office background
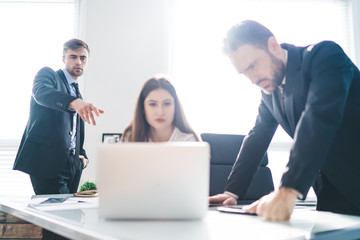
131 41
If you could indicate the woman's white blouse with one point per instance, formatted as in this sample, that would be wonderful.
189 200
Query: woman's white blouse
179 136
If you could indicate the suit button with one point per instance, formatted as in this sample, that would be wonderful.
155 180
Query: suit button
70 132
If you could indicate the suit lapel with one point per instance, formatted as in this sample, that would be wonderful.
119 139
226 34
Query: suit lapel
291 88
80 125
273 104
64 80
294 92
278 113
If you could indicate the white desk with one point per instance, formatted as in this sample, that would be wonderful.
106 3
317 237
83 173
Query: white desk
86 224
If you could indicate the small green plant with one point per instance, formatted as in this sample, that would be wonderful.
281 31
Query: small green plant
88 186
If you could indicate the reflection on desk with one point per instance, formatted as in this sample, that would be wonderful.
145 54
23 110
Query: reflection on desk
84 223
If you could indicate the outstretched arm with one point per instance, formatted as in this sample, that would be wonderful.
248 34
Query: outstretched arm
86 110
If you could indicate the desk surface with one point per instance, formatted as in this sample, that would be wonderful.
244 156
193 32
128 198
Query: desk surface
84 223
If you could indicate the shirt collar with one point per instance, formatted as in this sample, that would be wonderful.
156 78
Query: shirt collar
69 78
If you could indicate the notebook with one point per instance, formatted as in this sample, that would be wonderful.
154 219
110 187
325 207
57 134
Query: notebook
153 180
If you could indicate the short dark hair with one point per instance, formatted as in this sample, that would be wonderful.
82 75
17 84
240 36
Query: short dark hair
247 32
74 44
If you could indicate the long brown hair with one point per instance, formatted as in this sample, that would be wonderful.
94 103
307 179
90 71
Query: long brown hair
138 130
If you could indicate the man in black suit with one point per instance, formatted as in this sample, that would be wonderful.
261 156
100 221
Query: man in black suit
51 149
313 92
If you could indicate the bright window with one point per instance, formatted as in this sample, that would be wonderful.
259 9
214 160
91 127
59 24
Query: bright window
217 99
32 35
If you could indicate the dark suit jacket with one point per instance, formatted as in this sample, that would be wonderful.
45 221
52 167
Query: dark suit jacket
44 147
322 115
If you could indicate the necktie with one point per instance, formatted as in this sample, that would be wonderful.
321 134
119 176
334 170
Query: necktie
76 86
280 91
75 118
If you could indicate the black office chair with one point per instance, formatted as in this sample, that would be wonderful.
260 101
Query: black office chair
224 151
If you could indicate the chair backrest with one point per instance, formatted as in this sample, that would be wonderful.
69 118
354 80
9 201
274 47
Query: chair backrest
224 151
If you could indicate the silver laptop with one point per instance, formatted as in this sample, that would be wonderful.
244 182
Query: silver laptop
153 180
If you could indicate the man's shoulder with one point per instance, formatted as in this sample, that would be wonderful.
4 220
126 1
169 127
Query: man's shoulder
324 46
49 72
313 48
325 54
46 70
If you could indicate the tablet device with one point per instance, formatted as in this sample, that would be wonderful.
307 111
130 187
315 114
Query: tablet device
234 209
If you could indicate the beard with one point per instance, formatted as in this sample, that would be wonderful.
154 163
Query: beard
278 75
75 72
279 70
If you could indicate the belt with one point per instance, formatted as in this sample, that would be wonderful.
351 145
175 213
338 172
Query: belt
72 151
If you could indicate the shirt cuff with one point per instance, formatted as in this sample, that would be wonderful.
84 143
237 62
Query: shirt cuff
299 195
232 194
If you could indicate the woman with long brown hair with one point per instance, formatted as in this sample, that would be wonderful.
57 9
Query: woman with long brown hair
159 116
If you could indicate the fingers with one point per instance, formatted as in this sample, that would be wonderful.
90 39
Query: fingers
230 201
275 206
93 118
219 198
261 209
96 110
273 212
82 158
223 198
263 206
88 117
97 113
252 207
85 117
278 215
86 112
216 199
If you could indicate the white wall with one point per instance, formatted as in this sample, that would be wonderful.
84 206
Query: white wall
354 14
128 41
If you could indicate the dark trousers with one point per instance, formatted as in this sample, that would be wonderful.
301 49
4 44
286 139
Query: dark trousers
330 199
66 182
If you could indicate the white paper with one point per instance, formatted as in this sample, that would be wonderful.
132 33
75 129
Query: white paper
69 203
